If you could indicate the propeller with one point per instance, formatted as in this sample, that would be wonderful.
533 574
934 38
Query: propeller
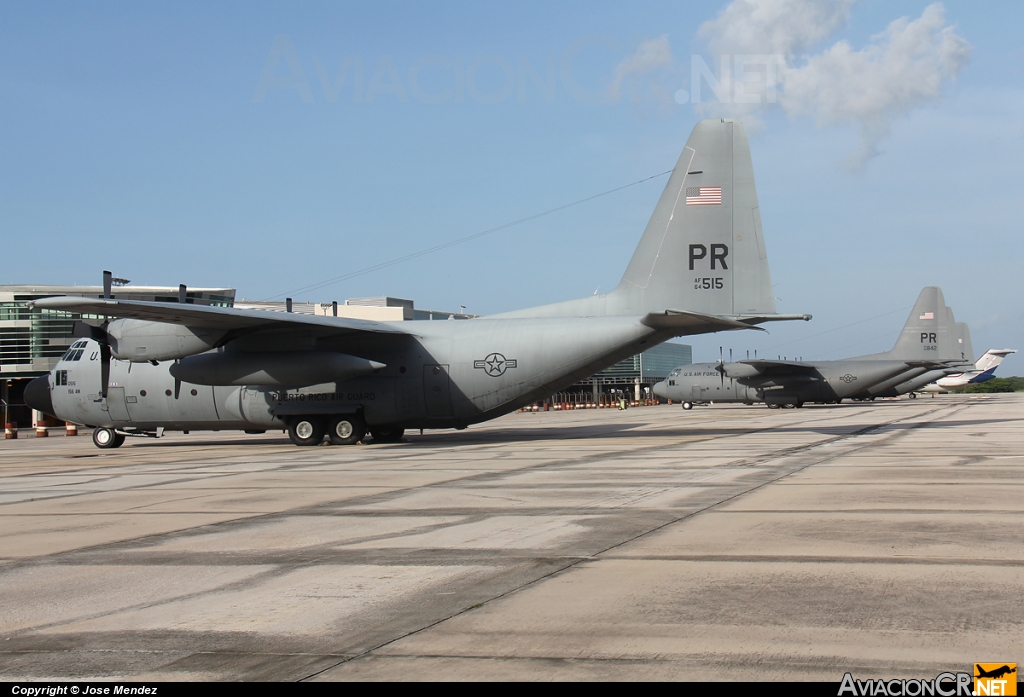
720 367
82 330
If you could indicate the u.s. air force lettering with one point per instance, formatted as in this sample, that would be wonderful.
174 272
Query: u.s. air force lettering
495 364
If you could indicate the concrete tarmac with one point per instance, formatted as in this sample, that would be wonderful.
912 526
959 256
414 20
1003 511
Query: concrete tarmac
723 543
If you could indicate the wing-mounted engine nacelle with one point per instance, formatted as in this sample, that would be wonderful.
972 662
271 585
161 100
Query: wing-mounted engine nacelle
740 370
140 341
274 369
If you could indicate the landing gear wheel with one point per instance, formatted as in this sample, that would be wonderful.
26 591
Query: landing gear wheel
789 405
911 396
107 438
687 406
306 430
387 435
772 405
346 429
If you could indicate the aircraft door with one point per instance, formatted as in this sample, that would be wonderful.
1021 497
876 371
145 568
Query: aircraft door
117 407
437 393
695 393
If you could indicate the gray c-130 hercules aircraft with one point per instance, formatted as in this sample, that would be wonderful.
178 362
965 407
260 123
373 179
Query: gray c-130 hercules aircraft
700 267
931 342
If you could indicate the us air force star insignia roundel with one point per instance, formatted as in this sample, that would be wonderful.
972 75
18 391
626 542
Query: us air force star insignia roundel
848 378
495 364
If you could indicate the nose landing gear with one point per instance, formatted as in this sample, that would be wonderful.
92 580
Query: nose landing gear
107 438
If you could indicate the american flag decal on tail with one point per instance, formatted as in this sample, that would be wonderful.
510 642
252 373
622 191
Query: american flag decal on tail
703 196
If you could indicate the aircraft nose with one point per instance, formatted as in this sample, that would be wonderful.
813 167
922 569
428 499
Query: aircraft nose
37 395
659 389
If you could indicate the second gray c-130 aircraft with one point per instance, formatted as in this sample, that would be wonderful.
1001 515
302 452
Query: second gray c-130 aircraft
931 341
700 266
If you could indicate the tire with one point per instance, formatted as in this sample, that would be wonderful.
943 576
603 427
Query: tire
772 405
387 435
911 396
687 406
107 438
346 429
306 430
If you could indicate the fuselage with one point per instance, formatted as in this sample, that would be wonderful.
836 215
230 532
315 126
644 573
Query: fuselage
958 380
818 381
443 374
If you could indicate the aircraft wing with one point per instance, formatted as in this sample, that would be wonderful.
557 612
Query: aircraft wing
768 366
205 316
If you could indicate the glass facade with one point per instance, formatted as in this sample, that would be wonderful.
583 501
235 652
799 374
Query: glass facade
653 364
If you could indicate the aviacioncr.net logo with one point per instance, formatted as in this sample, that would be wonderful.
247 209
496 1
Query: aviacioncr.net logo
943 685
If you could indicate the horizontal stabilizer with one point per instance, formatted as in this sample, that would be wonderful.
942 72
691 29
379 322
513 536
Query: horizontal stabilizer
684 323
760 319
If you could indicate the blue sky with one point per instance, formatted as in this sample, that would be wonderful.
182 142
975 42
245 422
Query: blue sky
145 138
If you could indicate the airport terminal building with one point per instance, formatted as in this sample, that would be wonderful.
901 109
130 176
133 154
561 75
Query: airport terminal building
32 341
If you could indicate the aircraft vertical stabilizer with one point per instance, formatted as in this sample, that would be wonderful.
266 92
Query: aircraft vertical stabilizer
702 257
964 348
930 333
703 249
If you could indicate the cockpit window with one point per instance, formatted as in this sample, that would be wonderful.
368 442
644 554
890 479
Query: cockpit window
75 351
73 354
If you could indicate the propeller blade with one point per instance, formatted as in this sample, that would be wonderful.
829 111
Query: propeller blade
104 368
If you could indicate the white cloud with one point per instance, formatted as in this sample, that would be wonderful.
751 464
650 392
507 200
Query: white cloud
898 70
650 57
774 26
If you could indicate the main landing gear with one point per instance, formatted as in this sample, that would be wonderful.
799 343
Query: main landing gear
387 435
340 429
687 406
346 430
